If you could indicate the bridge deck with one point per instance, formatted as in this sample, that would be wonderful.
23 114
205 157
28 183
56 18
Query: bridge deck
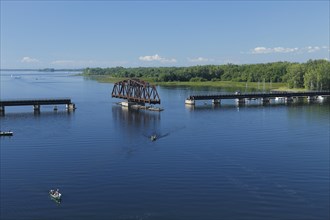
259 95
21 102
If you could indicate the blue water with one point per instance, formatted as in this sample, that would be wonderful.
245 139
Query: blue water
228 162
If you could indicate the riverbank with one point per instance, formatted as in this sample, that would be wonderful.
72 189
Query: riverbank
219 84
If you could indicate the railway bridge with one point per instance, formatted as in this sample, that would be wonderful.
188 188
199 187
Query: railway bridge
265 97
136 90
36 103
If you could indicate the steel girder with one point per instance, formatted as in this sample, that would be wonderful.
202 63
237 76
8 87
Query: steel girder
136 90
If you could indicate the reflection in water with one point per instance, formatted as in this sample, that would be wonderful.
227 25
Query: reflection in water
315 111
139 120
132 126
32 114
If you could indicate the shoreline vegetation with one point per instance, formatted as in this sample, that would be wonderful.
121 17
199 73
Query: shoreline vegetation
282 76
216 84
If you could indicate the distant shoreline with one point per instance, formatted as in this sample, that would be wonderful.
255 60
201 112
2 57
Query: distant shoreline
279 86
45 70
216 84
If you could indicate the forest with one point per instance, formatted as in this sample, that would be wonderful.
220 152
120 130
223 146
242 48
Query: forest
312 75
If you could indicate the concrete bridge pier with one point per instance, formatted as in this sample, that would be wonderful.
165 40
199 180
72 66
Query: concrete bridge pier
36 108
216 101
128 104
240 101
311 98
298 99
71 107
265 100
288 99
189 102
2 110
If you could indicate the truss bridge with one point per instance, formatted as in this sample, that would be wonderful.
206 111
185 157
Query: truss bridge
136 90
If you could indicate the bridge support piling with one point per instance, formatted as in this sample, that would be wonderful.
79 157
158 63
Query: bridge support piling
288 99
36 108
2 110
311 98
265 100
189 102
71 107
127 104
240 101
216 101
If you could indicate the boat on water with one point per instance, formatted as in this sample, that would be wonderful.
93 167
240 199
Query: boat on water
55 194
6 133
153 137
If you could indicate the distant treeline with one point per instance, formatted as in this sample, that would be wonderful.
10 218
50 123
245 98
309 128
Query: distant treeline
314 74
59 70
45 70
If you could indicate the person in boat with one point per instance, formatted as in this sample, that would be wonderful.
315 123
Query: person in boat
153 137
55 193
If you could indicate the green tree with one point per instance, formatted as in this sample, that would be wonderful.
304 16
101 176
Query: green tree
295 76
317 76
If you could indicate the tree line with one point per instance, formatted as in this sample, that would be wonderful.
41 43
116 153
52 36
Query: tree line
313 75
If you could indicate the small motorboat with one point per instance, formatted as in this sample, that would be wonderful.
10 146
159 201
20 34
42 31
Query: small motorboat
6 133
55 194
153 137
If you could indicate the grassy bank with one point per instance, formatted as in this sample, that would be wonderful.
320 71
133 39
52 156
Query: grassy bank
220 84
227 84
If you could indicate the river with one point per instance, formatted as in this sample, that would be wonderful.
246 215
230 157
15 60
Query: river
210 162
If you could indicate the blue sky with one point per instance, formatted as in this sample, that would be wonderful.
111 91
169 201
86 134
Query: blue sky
78 34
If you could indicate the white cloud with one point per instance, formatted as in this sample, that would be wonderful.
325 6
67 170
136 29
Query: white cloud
29 60
311 49
150 58
284 50
158 58
268 50
199 59
258 50
265 50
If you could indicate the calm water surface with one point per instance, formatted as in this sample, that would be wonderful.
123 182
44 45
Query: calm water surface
252 162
